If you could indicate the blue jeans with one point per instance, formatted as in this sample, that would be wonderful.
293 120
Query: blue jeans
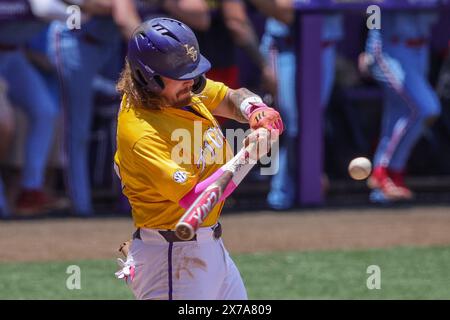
409 100
29 91
78 62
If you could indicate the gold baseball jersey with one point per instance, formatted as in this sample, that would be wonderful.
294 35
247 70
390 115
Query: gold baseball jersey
162 154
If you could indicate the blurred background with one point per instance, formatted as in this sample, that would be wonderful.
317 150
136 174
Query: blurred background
59 103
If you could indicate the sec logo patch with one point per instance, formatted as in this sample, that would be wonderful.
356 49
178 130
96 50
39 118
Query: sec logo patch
180 176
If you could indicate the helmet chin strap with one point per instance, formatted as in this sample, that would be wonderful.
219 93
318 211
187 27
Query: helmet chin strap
197 95
199 84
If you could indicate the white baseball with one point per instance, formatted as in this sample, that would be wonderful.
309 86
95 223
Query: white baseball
360 168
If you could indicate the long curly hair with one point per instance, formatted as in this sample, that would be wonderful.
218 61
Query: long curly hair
137 95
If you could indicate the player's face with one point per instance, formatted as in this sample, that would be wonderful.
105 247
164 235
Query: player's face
177 93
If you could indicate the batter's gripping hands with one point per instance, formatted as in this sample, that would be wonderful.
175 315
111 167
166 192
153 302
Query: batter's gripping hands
262 116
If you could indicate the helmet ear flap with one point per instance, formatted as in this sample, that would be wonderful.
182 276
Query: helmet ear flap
159 81
199 84
138 76
154 84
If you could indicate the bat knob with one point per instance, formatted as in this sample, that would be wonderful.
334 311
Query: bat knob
184 231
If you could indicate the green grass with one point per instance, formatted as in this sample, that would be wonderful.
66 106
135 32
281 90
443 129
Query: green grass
48 281
406 273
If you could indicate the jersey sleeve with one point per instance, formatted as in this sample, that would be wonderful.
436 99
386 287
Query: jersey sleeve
213 93
156 169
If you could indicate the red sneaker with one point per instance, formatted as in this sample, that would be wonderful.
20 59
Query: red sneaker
35 202
398 177
381 180
377 178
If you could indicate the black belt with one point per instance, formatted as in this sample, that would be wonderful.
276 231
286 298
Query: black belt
171 236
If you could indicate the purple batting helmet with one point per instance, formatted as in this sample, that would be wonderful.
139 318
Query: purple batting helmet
165 47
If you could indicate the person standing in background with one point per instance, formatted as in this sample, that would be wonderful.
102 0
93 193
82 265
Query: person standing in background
20 21
278 44
78 55
397 57
232 28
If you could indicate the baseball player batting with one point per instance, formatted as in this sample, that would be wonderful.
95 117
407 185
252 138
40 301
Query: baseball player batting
165 91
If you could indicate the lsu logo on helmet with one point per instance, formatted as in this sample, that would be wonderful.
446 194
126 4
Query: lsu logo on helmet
191 52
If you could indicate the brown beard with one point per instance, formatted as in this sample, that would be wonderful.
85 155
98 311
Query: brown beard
182 102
